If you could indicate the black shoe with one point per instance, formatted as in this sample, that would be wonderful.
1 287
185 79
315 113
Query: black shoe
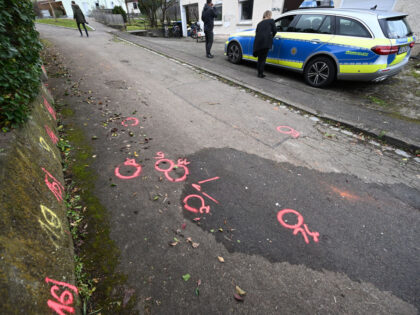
210 56
261 75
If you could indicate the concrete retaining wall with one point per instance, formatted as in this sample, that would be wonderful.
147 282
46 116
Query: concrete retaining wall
36 249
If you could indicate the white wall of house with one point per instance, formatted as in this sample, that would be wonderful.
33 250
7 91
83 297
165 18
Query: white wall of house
231 21
133 7
88 5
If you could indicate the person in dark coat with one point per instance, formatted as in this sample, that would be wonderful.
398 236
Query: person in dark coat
79 17
266 30
207 16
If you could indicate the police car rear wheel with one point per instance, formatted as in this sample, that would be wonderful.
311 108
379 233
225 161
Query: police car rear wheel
319 72
234 53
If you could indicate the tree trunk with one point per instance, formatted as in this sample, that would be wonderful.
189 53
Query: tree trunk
52 10
128 13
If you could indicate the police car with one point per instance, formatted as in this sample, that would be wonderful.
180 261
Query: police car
327 44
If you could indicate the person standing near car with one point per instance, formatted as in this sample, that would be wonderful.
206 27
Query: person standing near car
207 16
266 30
79 17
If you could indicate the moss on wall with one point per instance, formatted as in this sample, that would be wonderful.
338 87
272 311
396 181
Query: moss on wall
34 239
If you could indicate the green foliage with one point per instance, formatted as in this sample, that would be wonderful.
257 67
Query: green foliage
119 10
20 65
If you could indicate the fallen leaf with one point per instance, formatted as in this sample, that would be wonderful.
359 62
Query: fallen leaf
220 230
186 277
176 240
173 243
183 226
198 282
240 291
221 259
197 292
195 245
238 297
196 219
155 198
212 231
189 239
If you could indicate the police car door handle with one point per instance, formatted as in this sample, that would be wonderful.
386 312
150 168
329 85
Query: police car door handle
315 41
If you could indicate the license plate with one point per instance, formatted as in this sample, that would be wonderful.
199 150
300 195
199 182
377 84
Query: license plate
403 49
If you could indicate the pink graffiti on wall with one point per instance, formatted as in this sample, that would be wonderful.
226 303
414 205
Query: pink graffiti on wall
52 135
288 131
66 297
131 163
204 209
55 186
49 108
297 228
134 120
182 163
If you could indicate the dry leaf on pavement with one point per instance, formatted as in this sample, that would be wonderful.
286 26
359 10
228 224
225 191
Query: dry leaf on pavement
240 291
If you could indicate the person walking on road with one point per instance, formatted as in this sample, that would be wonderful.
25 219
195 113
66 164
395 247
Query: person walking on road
266 30
207 16
79 17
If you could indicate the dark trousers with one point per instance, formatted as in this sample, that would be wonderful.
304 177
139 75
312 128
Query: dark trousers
209 41
262 57
84 26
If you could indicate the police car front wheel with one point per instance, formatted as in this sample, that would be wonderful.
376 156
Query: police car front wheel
319 72
234 53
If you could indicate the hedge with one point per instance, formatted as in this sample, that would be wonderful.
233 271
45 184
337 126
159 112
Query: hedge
119 10
20 65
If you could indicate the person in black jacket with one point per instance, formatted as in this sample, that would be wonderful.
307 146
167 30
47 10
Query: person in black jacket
207 16
79 17
266 30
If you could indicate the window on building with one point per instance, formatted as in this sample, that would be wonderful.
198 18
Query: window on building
245 9
219 10
350 27
135 7
97 4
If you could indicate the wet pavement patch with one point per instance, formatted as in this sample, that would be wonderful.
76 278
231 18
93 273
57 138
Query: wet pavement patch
325 221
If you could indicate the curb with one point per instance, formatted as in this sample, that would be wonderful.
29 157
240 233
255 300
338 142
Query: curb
388 138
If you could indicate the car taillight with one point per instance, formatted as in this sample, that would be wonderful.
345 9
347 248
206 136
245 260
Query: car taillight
385 50
412 44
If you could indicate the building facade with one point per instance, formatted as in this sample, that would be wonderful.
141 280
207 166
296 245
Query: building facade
237 15
88 5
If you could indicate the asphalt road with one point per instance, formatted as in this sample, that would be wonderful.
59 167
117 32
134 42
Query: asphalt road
307 218
343 101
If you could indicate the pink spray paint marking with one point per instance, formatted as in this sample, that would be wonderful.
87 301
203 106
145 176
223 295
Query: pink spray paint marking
182 163
134 120
55 186
198 188
65 299
297 228
132 163
50 109
51 134
203 207
288 131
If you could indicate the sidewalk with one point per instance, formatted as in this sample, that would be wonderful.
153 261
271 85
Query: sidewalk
289 88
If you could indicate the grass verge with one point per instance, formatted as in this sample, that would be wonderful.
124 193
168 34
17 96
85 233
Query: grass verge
60 22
